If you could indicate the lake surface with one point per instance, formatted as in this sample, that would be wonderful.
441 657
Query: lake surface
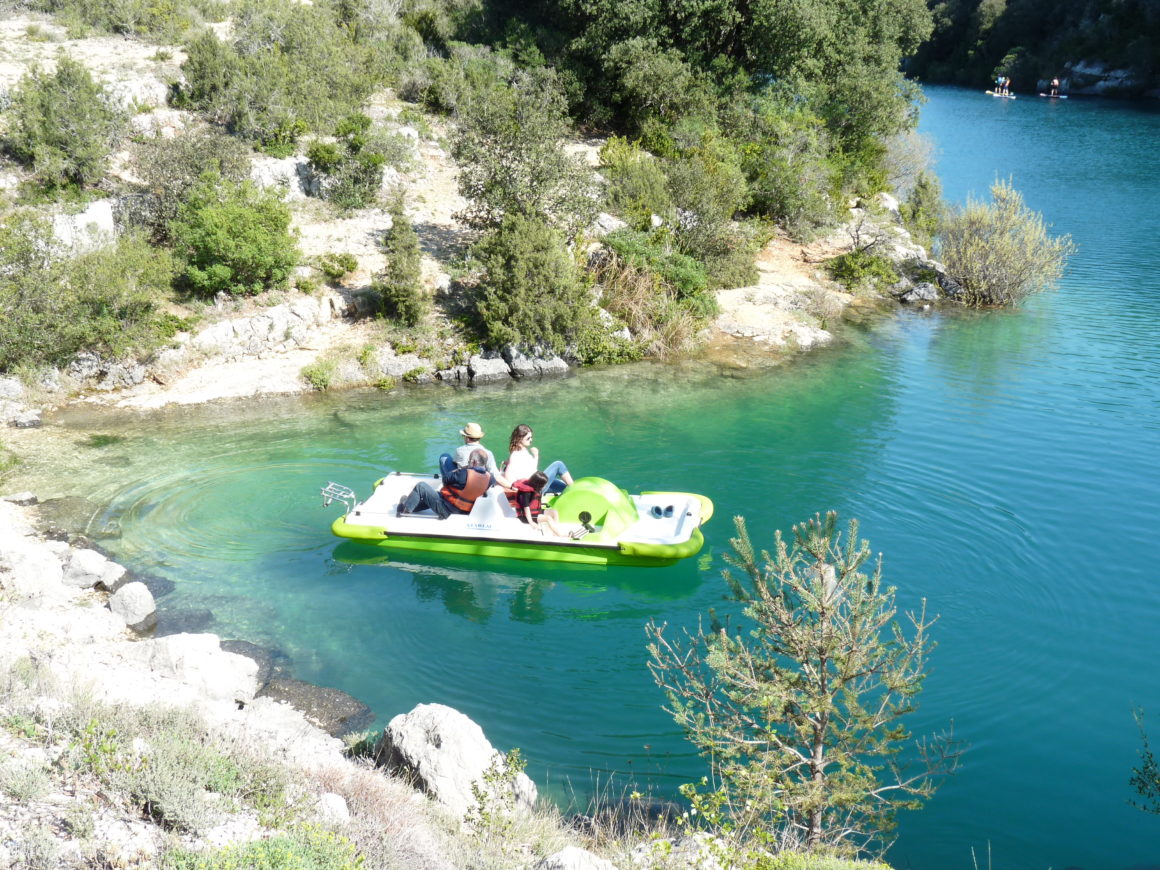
1004 464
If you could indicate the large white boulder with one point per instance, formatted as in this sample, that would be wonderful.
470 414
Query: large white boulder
199 661
447 753
134 603
86 568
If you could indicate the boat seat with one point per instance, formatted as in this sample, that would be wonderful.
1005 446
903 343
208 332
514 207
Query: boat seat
491 508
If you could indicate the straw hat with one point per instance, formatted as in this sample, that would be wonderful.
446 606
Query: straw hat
472 431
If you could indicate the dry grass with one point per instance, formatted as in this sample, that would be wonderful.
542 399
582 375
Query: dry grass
650 310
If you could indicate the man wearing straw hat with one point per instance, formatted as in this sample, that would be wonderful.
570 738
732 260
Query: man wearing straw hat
472 436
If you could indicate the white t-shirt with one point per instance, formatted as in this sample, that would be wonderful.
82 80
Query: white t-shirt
521 465
463 454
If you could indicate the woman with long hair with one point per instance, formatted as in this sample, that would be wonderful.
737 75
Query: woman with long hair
524 459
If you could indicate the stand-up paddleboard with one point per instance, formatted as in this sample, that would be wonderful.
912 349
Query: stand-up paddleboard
1001 96
1054 96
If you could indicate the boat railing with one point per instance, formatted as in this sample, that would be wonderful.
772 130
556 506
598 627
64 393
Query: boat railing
333 492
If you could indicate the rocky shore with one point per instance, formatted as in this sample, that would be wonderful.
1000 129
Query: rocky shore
69 648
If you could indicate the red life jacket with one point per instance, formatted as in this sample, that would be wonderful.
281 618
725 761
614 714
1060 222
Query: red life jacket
534 499
462 499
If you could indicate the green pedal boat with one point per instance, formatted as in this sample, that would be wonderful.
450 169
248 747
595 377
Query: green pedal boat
603 524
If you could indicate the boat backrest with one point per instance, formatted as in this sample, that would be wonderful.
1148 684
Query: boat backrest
490 509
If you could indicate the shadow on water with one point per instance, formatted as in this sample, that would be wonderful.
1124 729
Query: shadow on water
470 586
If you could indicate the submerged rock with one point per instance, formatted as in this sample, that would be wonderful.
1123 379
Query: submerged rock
183 621
332 710
271 662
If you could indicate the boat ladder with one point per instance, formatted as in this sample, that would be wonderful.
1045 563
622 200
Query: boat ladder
333 492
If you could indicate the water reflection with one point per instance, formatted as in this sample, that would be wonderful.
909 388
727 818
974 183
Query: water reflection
476 588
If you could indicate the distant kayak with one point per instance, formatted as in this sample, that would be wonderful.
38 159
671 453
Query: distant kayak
1001 96
1054 96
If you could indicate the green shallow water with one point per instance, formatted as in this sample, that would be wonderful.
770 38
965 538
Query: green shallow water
1005 464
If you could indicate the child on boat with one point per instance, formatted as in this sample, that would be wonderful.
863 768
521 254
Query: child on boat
527 499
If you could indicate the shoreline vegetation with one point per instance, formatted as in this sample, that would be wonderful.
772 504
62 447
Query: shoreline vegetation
203 201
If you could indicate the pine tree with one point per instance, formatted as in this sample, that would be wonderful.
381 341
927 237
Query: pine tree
800 715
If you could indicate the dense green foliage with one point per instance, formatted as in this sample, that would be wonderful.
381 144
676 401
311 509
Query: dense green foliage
54 304
1146 778
1032 40
859 269
167 21
399 285
509 146
305 848
800 710
530 293
1001 251
63 125
170 167
291 68
235 238
350 170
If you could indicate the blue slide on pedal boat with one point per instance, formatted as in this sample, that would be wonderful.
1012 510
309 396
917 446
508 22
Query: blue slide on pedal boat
604 525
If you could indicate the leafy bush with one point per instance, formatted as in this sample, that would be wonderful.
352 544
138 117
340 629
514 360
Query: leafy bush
923 211
63 125
350 171
531 293
508 146
649 307
171 167
399 285
57 303
637 187
319 374
445 84
307 847
335 265
1000 252
166 21
683 275
859 269
291 68
235 238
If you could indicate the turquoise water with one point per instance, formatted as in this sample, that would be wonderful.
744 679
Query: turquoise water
1004 464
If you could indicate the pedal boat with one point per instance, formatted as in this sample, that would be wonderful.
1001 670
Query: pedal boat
603 524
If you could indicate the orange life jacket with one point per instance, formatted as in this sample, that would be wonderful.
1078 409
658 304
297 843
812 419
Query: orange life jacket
463 499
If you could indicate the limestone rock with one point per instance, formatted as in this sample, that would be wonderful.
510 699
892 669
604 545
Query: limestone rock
25 420
332 710
134 603
24 499
446 752
921 292
87 229
574 858
331 809
198 661
86 568
486 369
11 388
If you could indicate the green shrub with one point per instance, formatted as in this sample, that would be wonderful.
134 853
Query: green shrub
171 167
924 211
686 277
56 304
63 125
307 847
234 237
637 187
319 374
165 21
336 265
1000 252
860 269
349 172
399 285
508 147
24 782
531 293
291 68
